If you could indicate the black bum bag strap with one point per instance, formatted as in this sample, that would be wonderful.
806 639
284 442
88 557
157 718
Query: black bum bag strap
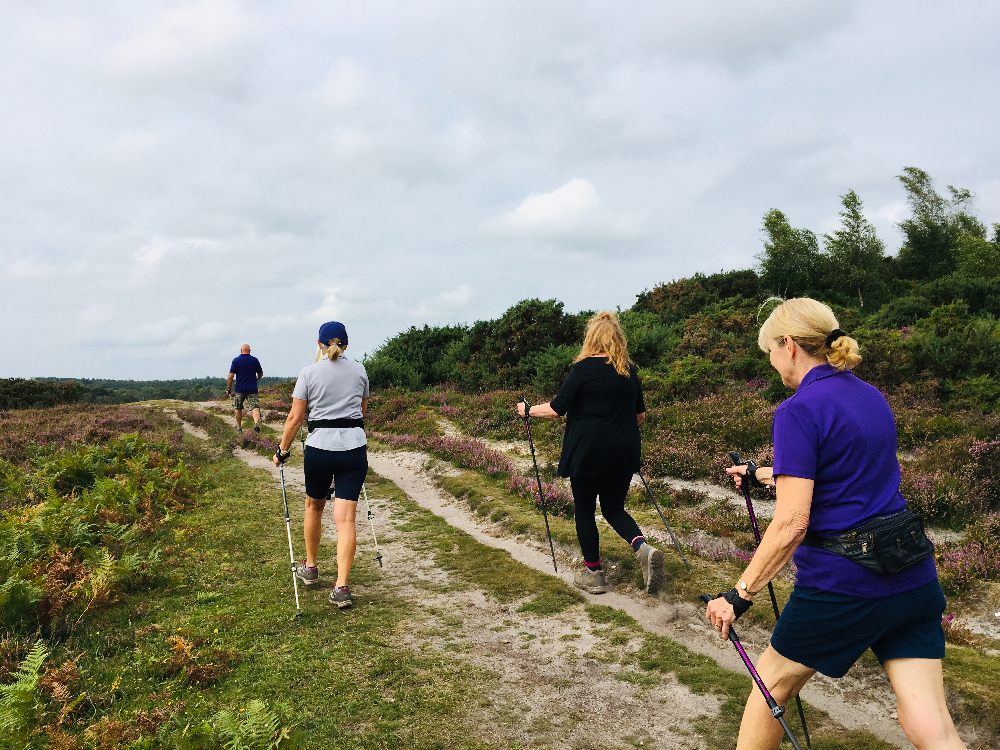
885 545
343 422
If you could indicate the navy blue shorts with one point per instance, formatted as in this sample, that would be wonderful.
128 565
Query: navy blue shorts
345 471
828 632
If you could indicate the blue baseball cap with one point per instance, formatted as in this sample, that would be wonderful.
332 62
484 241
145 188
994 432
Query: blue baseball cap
333 330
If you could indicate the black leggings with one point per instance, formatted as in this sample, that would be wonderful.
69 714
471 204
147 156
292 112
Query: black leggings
612 490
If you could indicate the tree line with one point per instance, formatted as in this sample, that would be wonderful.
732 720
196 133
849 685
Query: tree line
926 318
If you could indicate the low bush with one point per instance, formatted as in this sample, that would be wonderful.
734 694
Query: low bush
18 393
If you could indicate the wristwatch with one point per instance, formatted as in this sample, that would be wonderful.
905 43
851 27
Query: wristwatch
742 586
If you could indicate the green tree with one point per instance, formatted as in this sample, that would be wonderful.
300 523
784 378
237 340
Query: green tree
791 264
856 255
930 249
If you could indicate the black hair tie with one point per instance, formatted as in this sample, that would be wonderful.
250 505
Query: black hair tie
835 334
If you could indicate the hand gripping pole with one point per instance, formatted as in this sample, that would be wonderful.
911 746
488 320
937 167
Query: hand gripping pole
738 461
291 553
778 712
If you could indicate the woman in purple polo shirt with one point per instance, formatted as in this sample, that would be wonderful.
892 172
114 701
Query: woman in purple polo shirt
835 468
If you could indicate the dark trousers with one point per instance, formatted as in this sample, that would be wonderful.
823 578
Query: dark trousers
612 490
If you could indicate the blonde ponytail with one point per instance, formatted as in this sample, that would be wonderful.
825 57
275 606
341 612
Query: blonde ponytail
333 350
809 323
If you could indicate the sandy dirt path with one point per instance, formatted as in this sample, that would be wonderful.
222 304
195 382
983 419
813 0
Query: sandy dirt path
853 703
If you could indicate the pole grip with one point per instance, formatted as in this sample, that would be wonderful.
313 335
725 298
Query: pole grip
735 457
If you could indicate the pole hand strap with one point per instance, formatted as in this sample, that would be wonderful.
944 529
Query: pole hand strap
527 407
281 455
751 475
740 605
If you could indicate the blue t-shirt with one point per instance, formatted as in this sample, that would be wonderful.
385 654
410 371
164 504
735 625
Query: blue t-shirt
840 432
246 368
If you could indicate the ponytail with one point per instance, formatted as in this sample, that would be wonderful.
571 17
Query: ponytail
814 327
333 350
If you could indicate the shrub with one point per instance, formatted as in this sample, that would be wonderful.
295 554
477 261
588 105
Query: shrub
18 393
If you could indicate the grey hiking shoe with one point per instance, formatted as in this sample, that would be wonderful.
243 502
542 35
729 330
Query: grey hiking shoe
591 581
239 430
341 596
651 560
256 428
307 575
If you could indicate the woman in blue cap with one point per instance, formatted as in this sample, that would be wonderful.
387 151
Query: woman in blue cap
333 395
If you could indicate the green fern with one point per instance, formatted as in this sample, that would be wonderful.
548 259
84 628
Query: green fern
255 728
17 700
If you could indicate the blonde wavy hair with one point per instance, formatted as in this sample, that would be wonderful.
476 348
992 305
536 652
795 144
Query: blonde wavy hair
332 350
605 335
809 323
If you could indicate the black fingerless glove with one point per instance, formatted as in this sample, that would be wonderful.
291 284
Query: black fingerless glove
740 605
281 455
752 474
527 408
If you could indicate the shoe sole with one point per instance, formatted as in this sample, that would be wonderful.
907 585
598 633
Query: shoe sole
656 576
592 589
308 582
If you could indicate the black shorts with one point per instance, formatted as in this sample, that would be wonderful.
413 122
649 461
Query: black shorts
345 471
828 632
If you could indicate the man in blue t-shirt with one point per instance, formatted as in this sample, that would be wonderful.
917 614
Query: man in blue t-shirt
247 371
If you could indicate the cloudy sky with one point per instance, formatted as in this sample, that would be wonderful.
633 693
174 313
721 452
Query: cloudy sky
178 178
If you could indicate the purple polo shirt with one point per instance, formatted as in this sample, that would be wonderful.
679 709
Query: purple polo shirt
840 432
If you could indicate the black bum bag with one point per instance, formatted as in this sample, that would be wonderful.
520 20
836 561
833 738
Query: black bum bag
885 545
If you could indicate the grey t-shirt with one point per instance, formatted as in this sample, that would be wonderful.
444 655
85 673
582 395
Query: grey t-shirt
333 390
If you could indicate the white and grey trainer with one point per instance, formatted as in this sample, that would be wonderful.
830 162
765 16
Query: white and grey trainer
651 561
591 581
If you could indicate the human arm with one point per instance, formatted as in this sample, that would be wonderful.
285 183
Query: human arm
229 383
640 417
364 407
260 370
538 410
296 416
783 536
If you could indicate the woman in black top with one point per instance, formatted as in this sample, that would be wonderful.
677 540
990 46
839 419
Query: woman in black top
602 398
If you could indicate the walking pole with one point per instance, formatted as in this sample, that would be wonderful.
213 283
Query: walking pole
770 589
371 520
778 712
538 478
657 506
291 554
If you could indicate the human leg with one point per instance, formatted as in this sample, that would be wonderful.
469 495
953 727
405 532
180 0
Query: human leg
239 419
344 513
585 491
613 491
312 528
784 679
318 470
920 703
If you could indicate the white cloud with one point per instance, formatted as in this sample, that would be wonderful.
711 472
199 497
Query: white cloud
330 309
562 211
181 175
893 212
445 303
279 322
